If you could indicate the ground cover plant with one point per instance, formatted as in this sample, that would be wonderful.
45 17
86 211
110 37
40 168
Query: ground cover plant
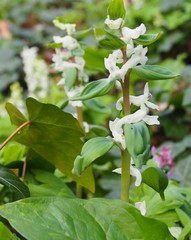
82 141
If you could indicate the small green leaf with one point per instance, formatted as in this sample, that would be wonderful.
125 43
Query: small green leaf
9 179
139 135
116 9
92 149
70 76
69 219
154 72
81 34
156 179
95 89
79 52
16 116
147 39
97 106
107 40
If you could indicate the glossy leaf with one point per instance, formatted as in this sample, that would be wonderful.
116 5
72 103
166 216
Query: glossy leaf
147 39
116 9
56 136
154 72
95 89
62 218
92 149
156 179
107 40
70 76
10 180
137 133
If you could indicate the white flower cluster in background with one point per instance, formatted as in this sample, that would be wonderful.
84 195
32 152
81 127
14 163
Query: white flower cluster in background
65 58
36 73
135 55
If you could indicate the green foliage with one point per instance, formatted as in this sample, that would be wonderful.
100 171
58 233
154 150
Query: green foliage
70 77
156 179
50 134
95 89
153 72
73 218
147 39
116 9
92 149
138 133
10 180
5 233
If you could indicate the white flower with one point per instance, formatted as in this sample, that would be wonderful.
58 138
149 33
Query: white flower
70 28
141 206
114 70
113 24
67 42
129 33
117 133
133 172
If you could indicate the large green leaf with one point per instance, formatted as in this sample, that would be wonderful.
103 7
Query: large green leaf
95 89
56 136
154 72
92 149
6 234
156 179
116 9
61 218
9 179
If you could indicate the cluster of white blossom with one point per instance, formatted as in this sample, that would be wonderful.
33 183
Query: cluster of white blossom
64 59
36 73
134 56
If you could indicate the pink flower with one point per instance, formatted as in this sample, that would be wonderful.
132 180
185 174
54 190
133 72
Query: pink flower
163 159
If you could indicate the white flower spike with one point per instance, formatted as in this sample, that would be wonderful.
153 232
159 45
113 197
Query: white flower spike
113 24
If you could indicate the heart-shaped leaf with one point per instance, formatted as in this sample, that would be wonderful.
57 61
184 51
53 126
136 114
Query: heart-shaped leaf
9 179
154 72
56 136
62 218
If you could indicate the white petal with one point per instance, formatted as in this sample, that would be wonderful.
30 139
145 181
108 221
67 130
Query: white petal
135 172
141 206
113 24
129 33
151 120
117 170
175 231
61 82
119 104
146 89
152 105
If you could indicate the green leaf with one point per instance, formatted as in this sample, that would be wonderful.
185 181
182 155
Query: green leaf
78 52
16 116
137 139
156 179
54 45
13 152
10 180
95 89
154 72
5 233
81 34
70 76
116 9
62 218
107 40
97 106
56 136
49 185
147 39
92 149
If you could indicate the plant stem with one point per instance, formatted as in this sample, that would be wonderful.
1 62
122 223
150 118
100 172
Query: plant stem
125 175
126 159
24 169
80 120
14 134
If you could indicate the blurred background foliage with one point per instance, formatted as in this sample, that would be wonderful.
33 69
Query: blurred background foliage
29 23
